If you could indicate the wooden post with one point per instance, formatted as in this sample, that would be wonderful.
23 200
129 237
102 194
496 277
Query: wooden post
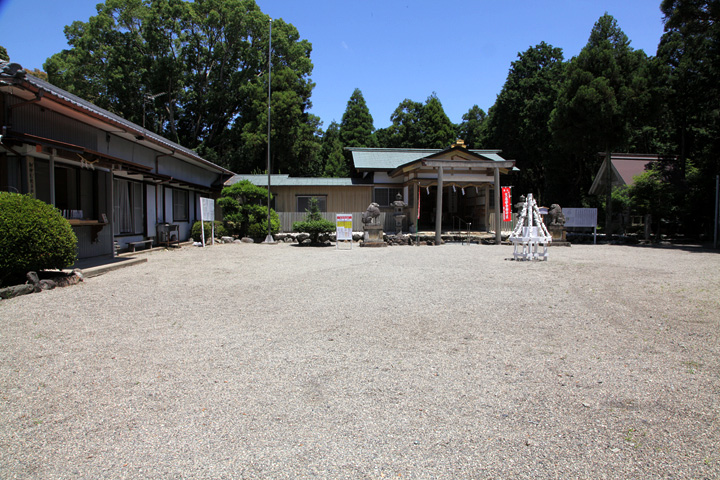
439 205
608 195
498 214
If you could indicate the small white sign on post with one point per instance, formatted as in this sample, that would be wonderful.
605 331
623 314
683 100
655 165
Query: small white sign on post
207 213
343 228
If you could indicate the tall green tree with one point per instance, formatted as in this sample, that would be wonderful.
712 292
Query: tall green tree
4 54
197 72
518 122
406 129
417 125
356 127
598 101
470 130
437 129
689 51
332 153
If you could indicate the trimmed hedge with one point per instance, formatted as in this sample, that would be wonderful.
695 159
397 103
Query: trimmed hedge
33 237
196 232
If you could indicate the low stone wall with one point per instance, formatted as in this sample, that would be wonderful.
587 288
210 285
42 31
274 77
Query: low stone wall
35 284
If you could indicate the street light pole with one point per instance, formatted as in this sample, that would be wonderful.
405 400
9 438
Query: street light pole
269 238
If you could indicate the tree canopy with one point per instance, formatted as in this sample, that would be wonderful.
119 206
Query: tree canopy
197 72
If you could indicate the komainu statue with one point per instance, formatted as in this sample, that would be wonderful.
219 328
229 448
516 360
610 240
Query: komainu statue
555 215
371 214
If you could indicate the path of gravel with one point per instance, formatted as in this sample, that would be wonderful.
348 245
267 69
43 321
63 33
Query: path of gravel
255 361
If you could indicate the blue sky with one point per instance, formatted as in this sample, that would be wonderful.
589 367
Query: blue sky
389 49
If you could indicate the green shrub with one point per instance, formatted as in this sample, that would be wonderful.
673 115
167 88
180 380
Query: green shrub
314 224
243 210
196 232
33 237
257 226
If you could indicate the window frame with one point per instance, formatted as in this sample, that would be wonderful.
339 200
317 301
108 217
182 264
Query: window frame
181 205
322 202
391 194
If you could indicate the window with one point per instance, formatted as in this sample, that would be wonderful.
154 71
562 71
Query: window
385 196
128 207
181 205
303 202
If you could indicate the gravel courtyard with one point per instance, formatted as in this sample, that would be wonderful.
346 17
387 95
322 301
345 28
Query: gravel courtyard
257 361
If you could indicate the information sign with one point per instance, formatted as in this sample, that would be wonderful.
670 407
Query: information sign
343 226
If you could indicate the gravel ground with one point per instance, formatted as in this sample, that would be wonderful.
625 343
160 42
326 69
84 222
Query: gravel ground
256 361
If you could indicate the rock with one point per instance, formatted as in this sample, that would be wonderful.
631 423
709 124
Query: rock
16 291
247 240
227 239
47 284
237 241
79 273
33 278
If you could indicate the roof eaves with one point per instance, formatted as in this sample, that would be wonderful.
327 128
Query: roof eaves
79 104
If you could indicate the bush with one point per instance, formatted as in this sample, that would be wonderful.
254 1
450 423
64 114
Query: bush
243 211
196 232
257 226
314 224
33 237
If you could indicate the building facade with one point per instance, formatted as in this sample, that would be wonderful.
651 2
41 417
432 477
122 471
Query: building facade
114 181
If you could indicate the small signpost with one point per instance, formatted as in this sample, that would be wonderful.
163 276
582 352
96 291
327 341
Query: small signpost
343 229
207 213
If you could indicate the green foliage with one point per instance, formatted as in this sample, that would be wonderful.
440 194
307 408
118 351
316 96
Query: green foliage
208 60
470 130
4 54
417 125
197 229
314 224
332 153
33 237
257 221
356 127
243 211
518 122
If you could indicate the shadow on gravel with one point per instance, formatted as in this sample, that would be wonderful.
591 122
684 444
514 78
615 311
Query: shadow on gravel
692 248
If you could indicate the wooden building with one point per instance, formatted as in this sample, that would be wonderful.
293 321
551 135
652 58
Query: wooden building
116 182
465 178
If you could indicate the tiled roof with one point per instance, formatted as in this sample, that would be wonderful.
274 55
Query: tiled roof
82 104
391 158
288 181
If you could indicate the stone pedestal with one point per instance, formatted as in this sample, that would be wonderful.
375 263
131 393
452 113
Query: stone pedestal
373 236
558 234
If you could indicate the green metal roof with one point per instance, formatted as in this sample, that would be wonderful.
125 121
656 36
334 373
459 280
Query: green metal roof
392 158
288 181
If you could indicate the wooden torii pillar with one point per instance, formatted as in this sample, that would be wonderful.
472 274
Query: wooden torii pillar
498 214
438 208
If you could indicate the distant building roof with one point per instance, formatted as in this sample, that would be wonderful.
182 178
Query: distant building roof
391 158
11 73
625 167
277 180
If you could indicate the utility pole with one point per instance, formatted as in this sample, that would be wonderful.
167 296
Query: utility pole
269 238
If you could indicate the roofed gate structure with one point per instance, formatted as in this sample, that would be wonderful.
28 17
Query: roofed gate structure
456 167
464 179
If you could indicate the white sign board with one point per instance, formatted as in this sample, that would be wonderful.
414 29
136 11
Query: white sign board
207 209
582 217
207 214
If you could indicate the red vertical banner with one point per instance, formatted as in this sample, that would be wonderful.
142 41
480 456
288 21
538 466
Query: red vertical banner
418 200
507 204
